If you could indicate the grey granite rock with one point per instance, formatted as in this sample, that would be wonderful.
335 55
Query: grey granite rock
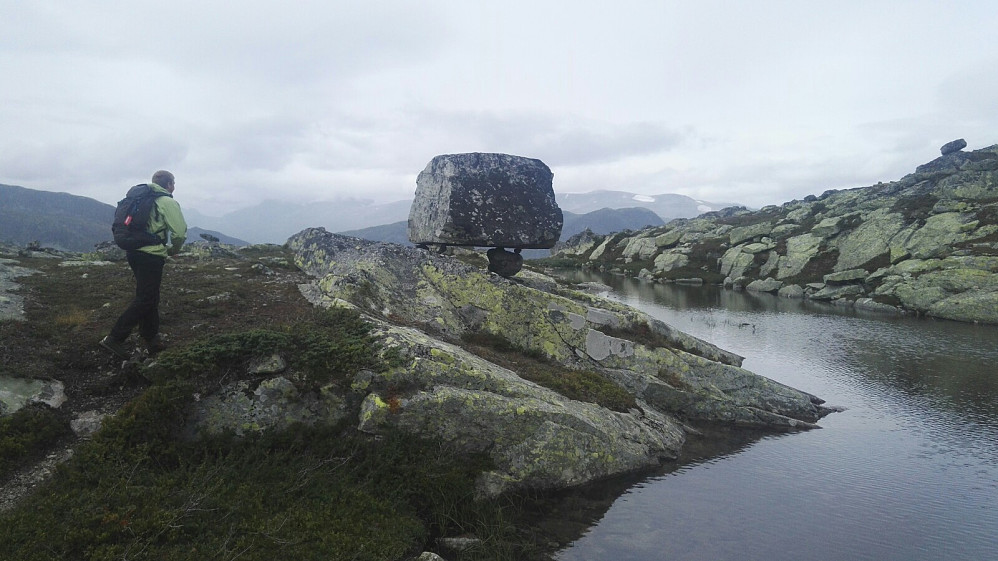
485 200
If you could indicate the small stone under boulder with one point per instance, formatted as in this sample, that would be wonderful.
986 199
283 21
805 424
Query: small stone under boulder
485 200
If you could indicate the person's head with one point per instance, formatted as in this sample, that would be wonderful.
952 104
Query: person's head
164 179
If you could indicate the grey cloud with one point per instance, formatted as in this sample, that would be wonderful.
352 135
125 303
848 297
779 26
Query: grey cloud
269 144
558 140
249 42
81 163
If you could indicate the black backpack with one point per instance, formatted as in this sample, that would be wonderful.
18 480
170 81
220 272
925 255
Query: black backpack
131 218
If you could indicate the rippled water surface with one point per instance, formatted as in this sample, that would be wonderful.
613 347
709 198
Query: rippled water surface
909 471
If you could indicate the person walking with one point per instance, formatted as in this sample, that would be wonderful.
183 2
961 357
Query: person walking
166 222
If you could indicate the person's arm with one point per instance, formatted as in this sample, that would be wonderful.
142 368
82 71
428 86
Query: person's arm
175 222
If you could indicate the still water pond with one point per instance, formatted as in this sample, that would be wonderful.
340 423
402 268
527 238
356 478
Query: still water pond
909 471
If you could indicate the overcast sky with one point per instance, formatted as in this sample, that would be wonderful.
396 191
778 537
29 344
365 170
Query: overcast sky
756 102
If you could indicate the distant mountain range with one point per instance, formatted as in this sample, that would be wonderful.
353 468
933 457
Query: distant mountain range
63 221
603 221
75 223
57 220
276 221
667 205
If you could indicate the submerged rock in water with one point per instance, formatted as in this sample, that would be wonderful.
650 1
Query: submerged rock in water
423 304
485 200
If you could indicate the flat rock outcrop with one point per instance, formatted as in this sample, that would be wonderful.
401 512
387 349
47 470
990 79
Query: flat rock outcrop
485 200
425 304
11 303
927 243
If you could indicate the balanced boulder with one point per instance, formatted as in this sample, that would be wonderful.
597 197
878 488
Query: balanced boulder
485 200
955 146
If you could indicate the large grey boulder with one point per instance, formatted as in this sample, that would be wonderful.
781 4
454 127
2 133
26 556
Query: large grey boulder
485 200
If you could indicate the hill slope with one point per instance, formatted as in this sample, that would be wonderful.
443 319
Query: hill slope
59 220
927 243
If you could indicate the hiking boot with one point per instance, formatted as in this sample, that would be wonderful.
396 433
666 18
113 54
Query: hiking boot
115 347
156 345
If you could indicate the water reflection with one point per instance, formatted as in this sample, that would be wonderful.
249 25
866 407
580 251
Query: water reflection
909 471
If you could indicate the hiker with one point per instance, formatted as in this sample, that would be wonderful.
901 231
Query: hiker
166 223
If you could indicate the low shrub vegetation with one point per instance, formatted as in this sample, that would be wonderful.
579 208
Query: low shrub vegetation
581 385
139 489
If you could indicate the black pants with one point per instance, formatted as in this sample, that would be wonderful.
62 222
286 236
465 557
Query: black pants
144 309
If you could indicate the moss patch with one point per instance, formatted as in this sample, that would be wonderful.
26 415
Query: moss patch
580 385
325 345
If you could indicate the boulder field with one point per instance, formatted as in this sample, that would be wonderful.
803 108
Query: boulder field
927 244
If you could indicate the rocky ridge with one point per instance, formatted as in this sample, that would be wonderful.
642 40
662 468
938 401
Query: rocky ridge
424 304
927 244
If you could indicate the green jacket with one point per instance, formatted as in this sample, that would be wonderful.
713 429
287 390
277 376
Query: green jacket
167 222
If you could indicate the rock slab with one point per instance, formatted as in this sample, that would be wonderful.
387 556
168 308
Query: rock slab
421 303
485 200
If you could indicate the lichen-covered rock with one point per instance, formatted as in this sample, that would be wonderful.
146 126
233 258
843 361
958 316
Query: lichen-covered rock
601 248
487 200
640 248
11 303
936 235
668 239
800 250
835 292
869 240
535 436
791 291
976 305
15 393
845 277
579 243
669 261
735 262
246 407
827 227
767 285
746 233
771 265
